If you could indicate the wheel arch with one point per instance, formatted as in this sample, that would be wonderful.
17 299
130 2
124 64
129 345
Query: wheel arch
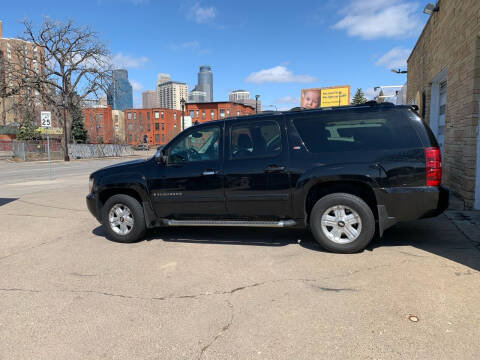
354 187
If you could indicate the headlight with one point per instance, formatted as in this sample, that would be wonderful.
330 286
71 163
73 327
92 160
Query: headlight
90 185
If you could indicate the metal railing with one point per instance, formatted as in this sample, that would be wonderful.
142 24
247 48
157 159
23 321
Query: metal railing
88 151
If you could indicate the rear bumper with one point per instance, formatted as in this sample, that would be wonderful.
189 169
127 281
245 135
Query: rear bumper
92 206
409 203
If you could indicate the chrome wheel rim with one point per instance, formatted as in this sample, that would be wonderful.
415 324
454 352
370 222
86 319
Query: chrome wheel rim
120 219
341 224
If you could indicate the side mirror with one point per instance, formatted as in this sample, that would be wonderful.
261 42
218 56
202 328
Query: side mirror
161 157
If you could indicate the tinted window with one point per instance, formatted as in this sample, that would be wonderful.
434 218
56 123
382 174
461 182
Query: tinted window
258 139
197 145
357 131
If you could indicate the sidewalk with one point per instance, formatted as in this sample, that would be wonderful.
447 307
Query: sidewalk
466 221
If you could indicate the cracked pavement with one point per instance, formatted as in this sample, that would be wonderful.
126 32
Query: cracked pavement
66 292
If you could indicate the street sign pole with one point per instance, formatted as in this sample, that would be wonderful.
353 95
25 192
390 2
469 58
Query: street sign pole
48 151
46 122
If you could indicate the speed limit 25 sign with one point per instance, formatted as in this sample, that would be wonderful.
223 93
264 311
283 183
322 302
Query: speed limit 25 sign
46 119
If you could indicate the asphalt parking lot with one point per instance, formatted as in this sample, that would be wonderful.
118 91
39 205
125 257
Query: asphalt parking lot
66 292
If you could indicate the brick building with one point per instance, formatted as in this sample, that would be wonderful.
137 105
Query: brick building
19 60
99 124
154 126
203 112
158 125
444 81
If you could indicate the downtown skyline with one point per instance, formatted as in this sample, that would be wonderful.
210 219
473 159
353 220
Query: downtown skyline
272 49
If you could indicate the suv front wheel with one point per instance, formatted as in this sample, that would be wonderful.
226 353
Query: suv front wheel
342 223
123 219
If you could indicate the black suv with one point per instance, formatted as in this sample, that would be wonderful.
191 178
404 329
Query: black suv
345 173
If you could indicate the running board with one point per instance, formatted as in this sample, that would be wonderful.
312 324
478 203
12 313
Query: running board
246 223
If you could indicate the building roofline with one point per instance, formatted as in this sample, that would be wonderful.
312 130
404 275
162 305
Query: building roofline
423 32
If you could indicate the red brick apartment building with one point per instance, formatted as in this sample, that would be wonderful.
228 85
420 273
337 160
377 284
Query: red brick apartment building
99 124
203 112
158 126
154 126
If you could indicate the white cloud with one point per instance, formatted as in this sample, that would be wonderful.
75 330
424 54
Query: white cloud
189 45
126 61
201 15
136 86
288 100
380 18
278 74
395 58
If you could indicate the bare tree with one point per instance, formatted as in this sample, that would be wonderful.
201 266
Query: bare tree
75 66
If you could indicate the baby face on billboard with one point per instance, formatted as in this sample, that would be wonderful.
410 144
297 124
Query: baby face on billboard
311 99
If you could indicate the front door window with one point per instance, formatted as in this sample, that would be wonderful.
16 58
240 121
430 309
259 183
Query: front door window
197 145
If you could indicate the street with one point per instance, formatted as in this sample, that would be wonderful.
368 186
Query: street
67 292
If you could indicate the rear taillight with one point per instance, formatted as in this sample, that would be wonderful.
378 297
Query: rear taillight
433 166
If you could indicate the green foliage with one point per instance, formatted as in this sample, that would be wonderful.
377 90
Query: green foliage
79 133
359 97
28 129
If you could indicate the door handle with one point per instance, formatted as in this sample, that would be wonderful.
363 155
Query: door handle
274 168
209 172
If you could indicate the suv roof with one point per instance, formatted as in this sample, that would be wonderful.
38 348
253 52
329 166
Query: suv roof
368 104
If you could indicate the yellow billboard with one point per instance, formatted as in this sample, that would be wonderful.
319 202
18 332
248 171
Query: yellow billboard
335 96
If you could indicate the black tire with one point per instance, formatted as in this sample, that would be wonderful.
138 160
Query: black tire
138 228
352 202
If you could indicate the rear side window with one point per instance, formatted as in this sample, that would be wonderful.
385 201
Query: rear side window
256 139
357 131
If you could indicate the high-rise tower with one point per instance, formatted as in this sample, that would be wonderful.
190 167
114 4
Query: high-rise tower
119 93
205 82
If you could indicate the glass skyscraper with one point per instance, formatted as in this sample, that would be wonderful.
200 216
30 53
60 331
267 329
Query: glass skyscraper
205 82
119 93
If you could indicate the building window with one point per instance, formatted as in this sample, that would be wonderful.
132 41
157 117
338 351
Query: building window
192 114
238 113
175 116
116 119
212 115
134 116
203 115
157 126
148 127
161 114
157 138
148 116
140 116
197 114
156 115
163 126
129 116
228 112
163 138
130 137
222 113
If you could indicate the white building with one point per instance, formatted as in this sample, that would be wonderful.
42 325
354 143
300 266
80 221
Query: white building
170 93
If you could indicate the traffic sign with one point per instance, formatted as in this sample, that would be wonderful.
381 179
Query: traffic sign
46 119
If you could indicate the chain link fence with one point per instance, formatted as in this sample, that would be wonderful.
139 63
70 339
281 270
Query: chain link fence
88 151
37 150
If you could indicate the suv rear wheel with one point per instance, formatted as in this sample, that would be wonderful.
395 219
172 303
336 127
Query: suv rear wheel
342 223
123 219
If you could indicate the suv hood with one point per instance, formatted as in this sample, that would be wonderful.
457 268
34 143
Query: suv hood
119 167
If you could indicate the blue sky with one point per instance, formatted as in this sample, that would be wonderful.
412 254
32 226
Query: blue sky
270 48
